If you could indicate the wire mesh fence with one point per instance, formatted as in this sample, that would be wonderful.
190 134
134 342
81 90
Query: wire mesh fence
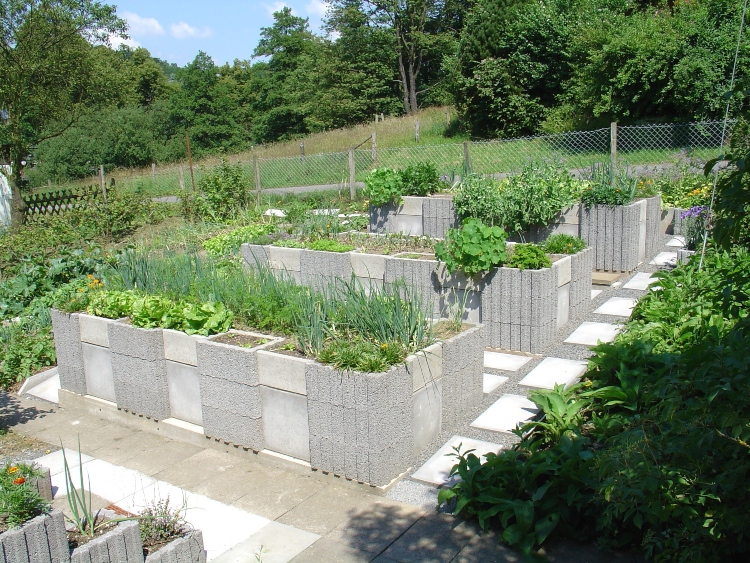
661 146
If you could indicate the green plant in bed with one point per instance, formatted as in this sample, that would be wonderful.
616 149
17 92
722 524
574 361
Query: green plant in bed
563 244
473 248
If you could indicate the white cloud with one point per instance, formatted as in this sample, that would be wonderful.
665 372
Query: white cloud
184 30
277 7
317 8
115 41
143 26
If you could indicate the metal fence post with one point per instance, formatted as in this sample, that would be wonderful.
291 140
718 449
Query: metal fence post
352 189
613 144
256 169
467 158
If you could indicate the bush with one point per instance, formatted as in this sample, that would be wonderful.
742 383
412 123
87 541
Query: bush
329 245
688 191
479 198
473 248
19 499
23 352
608 188
528 257
420 179
223 191
383 186
563 244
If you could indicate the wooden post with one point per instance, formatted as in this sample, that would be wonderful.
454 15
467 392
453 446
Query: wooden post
613 145
352 189
104 183
416 130
376 118
190 160
374 148
153 171
448 116
382 117
256 169
49 183
302 152
467 158
182 179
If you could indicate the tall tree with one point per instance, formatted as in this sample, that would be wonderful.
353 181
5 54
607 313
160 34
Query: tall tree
48 73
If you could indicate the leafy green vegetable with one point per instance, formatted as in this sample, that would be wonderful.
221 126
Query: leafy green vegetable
528 257
473 248
223 244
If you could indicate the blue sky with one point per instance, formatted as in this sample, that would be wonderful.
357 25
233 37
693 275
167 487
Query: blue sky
225 29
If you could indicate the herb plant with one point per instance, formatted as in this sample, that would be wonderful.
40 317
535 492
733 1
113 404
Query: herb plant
420 179
608 187
563 244
473 248
528 257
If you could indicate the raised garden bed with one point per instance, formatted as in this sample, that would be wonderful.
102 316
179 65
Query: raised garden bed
621 236
362 426
513 304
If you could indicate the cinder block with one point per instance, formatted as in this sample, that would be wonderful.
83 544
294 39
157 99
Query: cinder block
368 266
184 383
141 385
188 549
254 255
380 218
285 422
97 367
67 334
127 340
563 305
319 268
281 371
285 259
233 363
230 396
438 215
235 428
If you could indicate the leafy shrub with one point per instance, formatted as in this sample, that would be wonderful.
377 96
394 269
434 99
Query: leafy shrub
19 499
24 352
563 244
608 188
688 191
650 451
159 523
536 196
473 248
478 198
383 186
528 257
119 216
329 245
289 243
223 190
228 242
420 179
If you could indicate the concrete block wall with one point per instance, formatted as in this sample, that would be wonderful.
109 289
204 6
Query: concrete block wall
230 393
319 268
121 545
381 218
615 233
97 357
463 366
140 370
67 334
254 254
418 274
40 540
653 227
581 267
438 215
188 549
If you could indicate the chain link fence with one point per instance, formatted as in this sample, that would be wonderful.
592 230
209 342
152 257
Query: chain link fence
642 148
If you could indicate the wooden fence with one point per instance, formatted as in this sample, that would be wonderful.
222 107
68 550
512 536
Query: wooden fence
56 202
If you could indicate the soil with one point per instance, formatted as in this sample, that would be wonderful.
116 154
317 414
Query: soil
14 447
415 256
444 329
294 352
152 546
77 540
239 339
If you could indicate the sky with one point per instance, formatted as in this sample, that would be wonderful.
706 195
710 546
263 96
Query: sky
225 29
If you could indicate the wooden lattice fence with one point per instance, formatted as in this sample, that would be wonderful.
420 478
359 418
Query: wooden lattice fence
57 202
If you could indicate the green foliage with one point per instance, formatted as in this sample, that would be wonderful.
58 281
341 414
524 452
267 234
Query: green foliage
24 352
563 244
608 187
160 522
230 241
420 179
223 192
528 257
685 192
478 198
473 248
329 245
383 186
290 243
19 499
361 355
536 196
650 452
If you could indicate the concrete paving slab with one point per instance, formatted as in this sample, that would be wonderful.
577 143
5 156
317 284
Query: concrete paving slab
435 537
552 371
436 470
492 382
228 485
61 502
595 293
640 281
589 334
277 492
54 461
414 493
506 413
326 509
122 449
374 526
487 548
184 474
505 362
170 452
664 259
273 543
332 552
617 306
110 481
677 242
47 390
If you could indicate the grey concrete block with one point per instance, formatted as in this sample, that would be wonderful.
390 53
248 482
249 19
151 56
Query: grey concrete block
97 367
230 396
233 363
282 371
187 549
141 386
184 384
563 305
234 428
285 422
35 535
127 340
97 550
67 334
285 259
319 268
367 266
57 537
254 255
438 215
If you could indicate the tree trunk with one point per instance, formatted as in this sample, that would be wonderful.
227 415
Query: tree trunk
17 206
413 73
404 84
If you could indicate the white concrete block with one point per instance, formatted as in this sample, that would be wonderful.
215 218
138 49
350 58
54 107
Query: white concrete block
664 259
184 384
47 389
180 347
563 305
282 372
408 224
426 365
412 205
427 414
285 425
97 367
590 334
94 329
617 306
506 413
563 271
641 281
436 470
595 293
505 362
677 242
491 382
554 371
368 265
281 258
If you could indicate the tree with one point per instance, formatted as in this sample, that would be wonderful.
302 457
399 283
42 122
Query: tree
48 73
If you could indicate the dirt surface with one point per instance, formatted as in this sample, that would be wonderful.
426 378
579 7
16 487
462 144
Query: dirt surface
76 539
239 339
14 447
